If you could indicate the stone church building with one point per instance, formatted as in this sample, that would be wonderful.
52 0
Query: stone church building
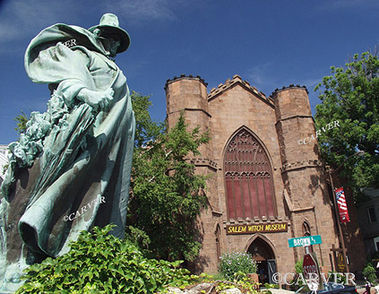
264 184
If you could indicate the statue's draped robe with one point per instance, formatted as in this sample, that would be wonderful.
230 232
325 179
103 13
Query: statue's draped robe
87 157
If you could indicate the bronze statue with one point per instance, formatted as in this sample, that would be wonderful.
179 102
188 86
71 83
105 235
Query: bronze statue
70 170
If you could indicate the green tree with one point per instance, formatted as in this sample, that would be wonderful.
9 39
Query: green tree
369 273
21 120
167 195
146 129
351 96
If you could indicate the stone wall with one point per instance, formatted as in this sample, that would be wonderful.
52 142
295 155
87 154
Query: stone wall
278 123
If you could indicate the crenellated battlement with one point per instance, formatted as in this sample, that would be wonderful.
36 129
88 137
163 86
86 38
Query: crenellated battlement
291 86
185 77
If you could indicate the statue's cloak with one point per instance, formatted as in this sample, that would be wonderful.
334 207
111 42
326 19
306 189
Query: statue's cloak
87 155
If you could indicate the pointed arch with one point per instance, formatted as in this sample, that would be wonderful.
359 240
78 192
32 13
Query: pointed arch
262 238
306 228
248 177
263 252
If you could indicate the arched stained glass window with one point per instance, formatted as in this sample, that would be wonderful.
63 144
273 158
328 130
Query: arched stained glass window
248 178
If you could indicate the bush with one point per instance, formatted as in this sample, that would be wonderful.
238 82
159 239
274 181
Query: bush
297 282
338 277
271 286
299 266
370 273
102 263
241 282
235 262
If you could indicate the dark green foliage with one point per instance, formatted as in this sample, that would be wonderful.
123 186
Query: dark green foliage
167 196
351 96
370 273
21 120
138 237
102 263
336 277
299 266
235 263
146 129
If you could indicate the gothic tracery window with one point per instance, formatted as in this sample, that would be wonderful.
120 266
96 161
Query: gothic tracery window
248 178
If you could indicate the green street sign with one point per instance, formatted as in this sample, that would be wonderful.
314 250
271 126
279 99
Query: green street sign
304 241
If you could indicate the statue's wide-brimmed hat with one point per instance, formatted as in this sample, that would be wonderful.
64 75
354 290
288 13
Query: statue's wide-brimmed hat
109 26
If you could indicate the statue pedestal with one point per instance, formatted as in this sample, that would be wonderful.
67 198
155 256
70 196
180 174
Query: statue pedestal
13 253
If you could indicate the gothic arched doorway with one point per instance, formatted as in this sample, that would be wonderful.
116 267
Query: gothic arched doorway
264 256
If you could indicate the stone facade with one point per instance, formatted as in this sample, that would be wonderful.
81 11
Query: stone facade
286 185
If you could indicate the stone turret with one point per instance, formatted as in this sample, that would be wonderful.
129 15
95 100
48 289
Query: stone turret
294 123
188 94
306 192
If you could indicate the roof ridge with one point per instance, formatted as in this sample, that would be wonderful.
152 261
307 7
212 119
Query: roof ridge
230 82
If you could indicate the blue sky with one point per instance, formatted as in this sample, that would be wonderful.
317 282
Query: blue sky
271 43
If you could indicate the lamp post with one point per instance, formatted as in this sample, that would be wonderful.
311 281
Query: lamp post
360 153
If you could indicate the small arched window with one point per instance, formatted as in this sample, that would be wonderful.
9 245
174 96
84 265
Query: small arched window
248 178
307 232
306 229
218 245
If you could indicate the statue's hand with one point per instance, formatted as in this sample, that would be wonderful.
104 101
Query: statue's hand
99 100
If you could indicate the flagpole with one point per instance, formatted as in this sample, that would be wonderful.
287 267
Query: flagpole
359 153
338 222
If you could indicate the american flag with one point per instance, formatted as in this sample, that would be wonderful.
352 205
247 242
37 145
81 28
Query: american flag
342 206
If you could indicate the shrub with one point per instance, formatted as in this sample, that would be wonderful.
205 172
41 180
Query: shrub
369 273
271 286
235 262
242 282
139 238
102 263
299 266
297 281
337 277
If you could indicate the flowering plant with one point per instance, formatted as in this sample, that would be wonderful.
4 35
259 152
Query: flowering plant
235 262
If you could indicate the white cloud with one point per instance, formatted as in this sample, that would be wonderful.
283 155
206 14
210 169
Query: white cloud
21 18
343 4
146 9
143 11
265 78
260 74
311 83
